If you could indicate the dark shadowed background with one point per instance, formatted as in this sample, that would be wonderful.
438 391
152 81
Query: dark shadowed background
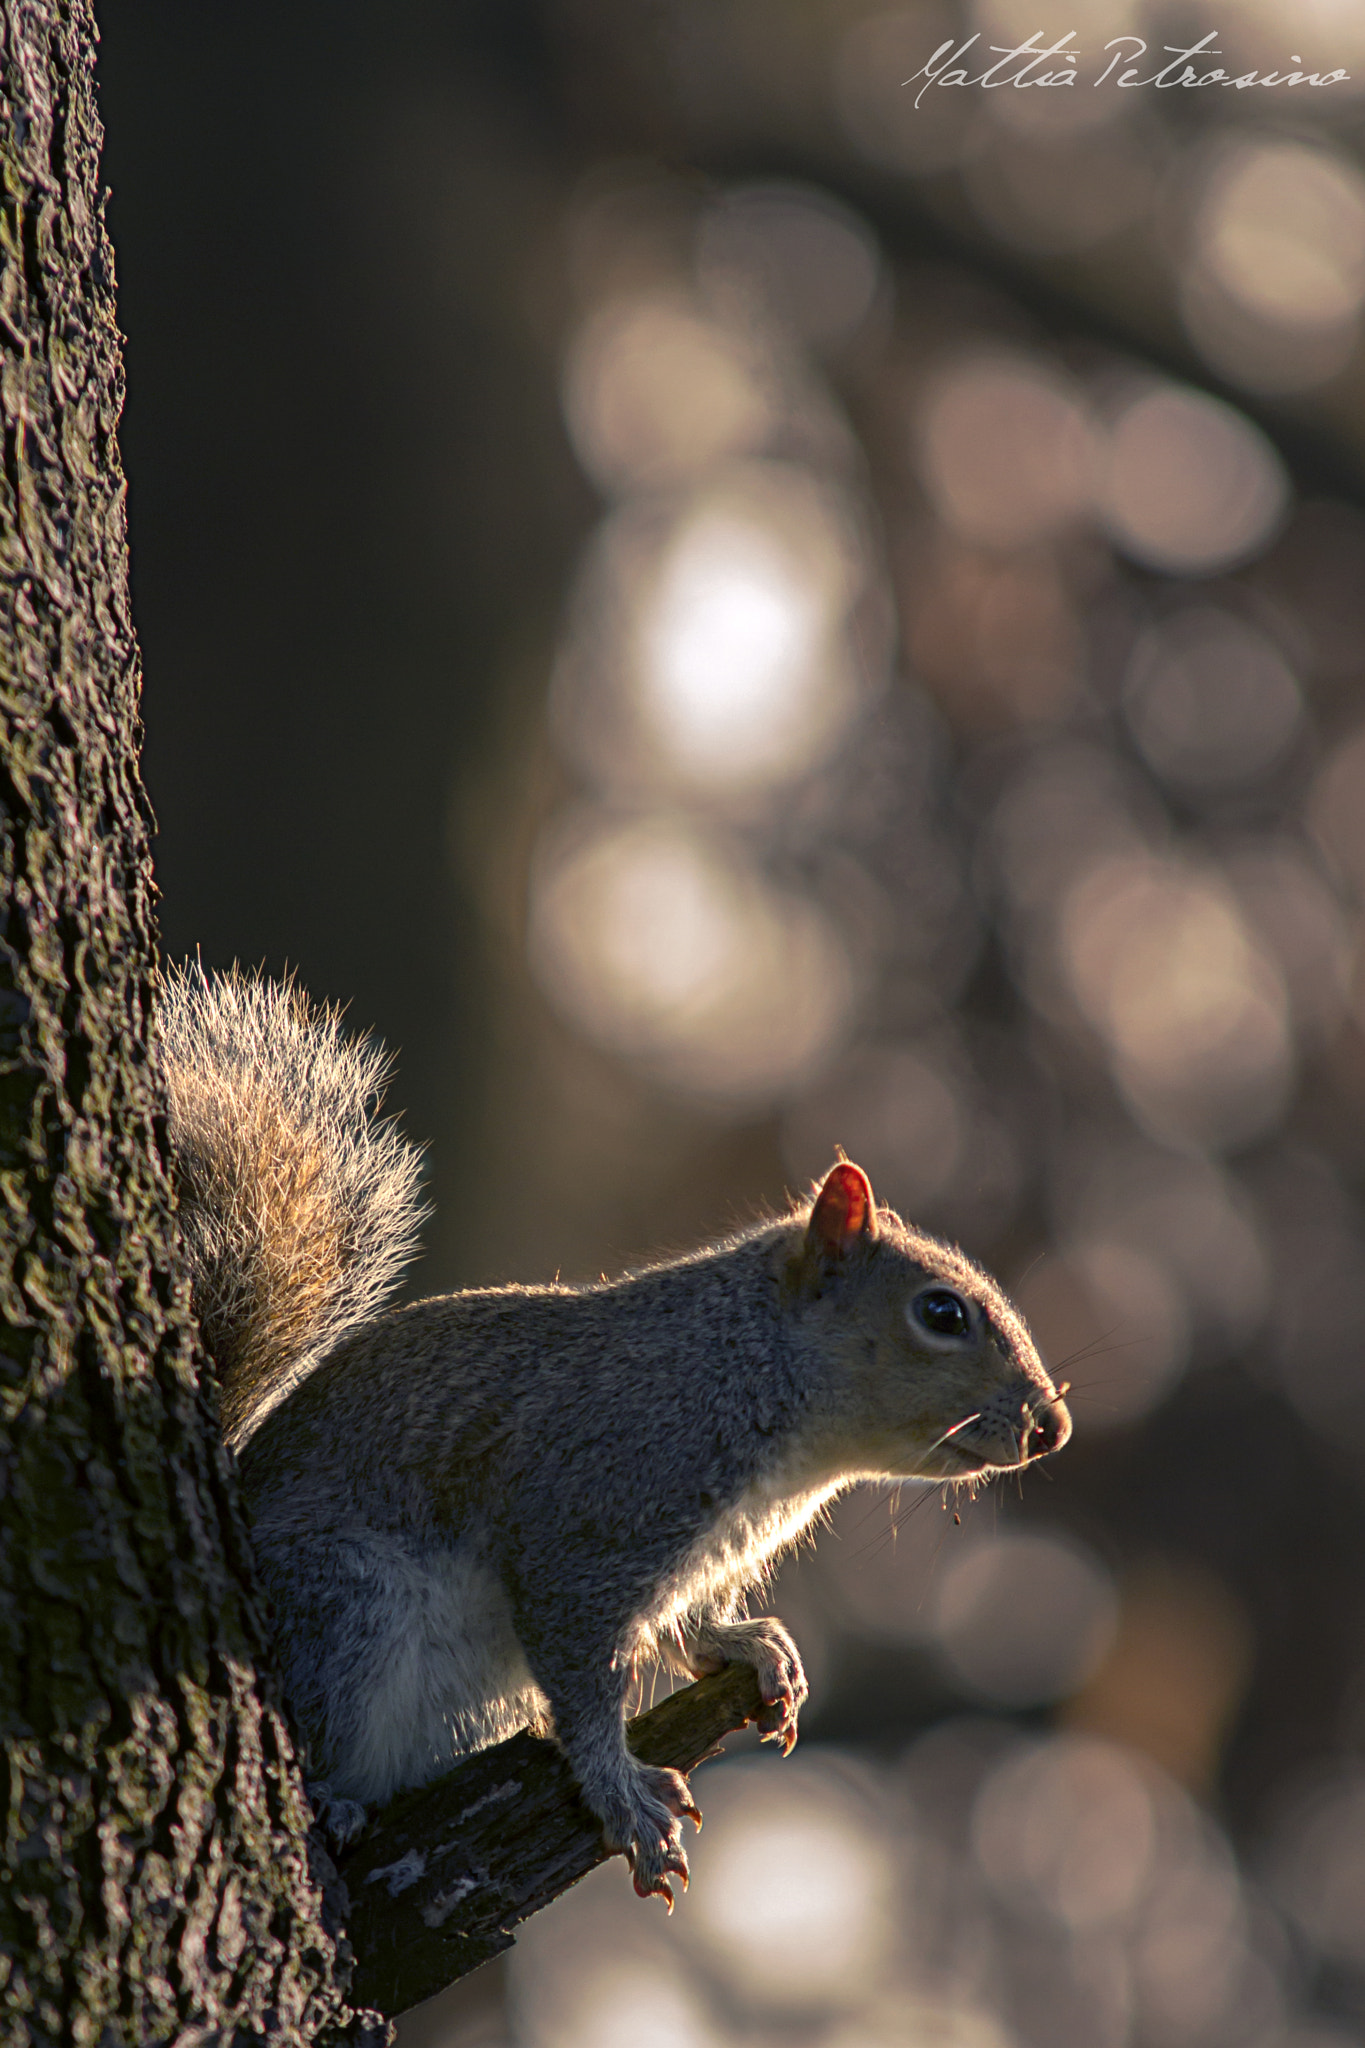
725 613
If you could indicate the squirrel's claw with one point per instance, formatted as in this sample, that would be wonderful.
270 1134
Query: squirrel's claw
782 1682
654 1884
672 1788
651 1835
777 1722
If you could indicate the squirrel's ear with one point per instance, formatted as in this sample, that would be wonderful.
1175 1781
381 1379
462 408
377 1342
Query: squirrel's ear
845 1212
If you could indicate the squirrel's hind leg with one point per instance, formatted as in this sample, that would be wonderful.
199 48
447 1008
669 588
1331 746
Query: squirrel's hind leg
341 1820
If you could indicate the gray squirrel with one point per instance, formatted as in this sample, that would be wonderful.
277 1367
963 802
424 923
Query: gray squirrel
483 1511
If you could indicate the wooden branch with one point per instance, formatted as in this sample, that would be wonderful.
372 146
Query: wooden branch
445 1873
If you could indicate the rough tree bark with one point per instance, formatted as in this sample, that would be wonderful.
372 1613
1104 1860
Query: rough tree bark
156 1882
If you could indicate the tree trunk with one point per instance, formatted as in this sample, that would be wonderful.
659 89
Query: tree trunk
155 1882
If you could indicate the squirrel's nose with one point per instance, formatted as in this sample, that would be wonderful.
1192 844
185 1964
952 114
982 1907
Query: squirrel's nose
1050 1428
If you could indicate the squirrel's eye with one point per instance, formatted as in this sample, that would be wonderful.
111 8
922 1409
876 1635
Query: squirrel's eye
941 1311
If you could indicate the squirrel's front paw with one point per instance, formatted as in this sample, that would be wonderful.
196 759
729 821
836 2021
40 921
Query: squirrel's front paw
776 1661
649 1831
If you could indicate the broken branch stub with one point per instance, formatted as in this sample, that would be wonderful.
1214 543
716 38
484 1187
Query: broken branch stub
445 1873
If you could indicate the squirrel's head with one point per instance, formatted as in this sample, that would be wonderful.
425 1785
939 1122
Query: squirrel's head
929 1371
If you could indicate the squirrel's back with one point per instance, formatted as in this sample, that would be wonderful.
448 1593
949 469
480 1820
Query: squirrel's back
298 1206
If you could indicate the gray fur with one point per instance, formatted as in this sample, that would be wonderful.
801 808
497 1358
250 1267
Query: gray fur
484 1510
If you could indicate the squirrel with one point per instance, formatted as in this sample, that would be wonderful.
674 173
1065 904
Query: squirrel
480 1512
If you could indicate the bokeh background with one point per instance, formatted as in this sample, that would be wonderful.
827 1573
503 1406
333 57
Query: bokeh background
727 613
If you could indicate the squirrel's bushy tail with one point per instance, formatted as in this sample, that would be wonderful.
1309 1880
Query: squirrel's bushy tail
298 1207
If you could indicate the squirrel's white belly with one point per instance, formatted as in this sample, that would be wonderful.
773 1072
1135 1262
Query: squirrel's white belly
446 1674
